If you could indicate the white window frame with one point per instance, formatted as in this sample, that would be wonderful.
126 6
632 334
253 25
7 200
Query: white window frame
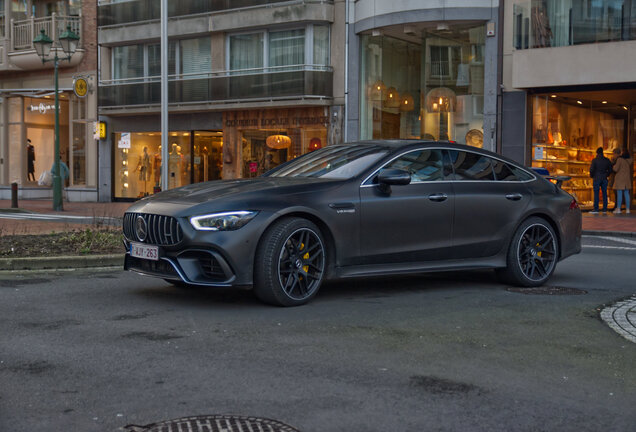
309 42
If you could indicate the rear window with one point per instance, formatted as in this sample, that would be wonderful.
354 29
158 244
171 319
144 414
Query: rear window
507 172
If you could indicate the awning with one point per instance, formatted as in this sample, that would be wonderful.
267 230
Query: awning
32 92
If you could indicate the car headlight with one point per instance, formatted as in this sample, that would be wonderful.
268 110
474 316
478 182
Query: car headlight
228 221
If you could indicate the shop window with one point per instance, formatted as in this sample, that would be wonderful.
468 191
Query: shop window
567 129
138 161
429 90
263 150
439 63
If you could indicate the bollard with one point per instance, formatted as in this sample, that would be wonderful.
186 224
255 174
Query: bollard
14 195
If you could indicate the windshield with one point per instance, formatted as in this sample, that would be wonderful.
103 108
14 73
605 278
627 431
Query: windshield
337 162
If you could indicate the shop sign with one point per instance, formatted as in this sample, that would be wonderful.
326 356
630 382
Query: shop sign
278 122
124 141
80 87
99 130
253 167
41 108
538 152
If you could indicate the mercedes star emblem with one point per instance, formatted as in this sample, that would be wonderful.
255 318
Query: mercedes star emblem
141 228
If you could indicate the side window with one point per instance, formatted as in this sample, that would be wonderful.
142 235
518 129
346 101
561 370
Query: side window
471 166
424 165
507 172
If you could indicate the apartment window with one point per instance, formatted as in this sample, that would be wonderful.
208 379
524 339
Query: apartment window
139 61
154 59
246 51
128 61
195 55
321 45
289 47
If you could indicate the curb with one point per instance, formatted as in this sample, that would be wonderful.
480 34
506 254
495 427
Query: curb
61 262
627 234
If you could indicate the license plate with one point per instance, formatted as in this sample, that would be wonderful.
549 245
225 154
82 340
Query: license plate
143 251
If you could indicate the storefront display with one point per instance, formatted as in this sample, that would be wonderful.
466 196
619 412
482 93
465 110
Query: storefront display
566 131
432 89
259 140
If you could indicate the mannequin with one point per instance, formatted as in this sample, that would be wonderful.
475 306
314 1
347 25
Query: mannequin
174 167
157 167
144 168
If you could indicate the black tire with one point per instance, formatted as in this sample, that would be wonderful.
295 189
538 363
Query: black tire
532 255
290 263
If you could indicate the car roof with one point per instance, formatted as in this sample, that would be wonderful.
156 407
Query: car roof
395 144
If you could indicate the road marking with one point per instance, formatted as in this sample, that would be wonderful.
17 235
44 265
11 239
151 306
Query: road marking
609 247
614 239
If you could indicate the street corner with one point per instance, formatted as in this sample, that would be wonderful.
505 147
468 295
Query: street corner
621 317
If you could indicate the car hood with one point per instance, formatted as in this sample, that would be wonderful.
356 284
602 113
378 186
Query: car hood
227 192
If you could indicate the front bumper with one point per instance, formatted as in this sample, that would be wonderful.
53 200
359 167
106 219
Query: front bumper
196 267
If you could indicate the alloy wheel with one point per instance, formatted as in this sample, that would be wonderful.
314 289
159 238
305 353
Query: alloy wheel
301 264
537 252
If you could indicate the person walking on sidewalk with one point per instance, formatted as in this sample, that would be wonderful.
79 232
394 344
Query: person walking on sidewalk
600 170
622 181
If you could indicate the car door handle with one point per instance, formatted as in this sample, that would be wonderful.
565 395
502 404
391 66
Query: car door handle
438 197
514 196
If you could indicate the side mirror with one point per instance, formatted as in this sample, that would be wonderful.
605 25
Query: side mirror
388 177
394 177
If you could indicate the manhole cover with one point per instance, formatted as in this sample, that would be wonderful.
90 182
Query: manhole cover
214 423
548 290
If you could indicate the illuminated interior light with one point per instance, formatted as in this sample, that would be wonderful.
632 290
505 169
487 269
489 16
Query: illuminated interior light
579 102
604 102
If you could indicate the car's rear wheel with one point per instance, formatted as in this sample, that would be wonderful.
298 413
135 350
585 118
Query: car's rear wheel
532 255
290 263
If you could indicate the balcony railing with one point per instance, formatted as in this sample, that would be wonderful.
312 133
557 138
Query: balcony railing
23 32
116 12
221 87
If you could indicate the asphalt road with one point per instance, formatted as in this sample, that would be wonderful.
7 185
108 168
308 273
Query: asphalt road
95 351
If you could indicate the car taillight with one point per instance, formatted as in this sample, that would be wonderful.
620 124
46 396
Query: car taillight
574 204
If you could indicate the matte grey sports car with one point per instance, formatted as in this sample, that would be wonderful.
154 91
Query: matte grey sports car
360 209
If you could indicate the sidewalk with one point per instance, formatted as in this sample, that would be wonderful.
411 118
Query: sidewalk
622 224
91 210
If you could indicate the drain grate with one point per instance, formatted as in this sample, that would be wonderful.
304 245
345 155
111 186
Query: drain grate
547 290
214 423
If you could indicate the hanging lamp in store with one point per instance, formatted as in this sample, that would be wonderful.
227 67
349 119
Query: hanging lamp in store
392 99
278 141
377 91
315 144
441 99
406 102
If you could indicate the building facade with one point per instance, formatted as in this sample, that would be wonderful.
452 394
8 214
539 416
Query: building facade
252 84
425 70
27 98
569 86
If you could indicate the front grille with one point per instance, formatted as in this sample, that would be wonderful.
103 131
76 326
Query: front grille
158 268
162 230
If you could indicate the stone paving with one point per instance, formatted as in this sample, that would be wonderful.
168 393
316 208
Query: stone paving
622 318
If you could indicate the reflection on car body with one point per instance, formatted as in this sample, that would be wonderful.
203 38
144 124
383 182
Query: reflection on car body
360 209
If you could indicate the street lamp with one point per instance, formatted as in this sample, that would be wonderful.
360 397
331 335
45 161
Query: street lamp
43 44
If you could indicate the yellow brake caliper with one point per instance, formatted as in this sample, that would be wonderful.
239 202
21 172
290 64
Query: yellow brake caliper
306 256
539 253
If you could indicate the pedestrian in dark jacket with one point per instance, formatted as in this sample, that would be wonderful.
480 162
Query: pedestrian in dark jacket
600 170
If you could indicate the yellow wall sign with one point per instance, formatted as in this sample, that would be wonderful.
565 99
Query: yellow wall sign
99 130
80 87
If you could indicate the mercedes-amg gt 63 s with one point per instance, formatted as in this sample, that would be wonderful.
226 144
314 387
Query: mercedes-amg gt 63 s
360 209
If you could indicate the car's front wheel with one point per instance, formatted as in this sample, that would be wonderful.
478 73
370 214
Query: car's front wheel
290 263
532 255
